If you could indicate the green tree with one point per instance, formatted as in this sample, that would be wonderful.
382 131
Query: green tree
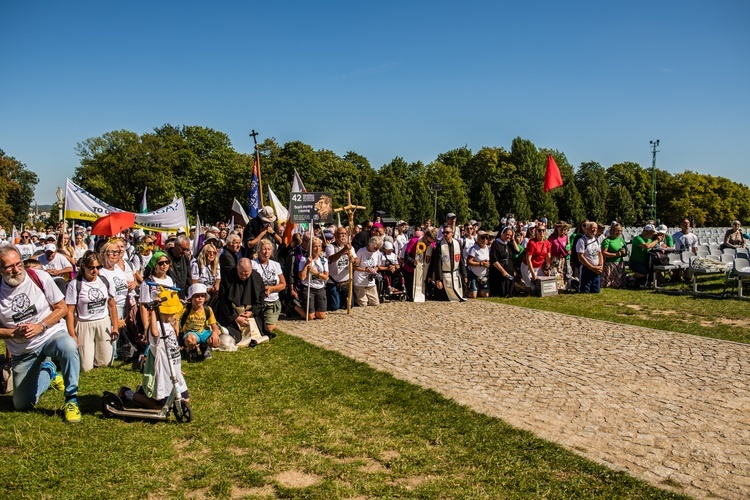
591 182
487 211
453 197
620 207
637 181
517 204
16 191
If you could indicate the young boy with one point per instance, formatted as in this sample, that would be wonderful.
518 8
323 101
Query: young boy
198 323
156 382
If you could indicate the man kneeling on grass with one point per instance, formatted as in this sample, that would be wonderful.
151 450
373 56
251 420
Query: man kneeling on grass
31 311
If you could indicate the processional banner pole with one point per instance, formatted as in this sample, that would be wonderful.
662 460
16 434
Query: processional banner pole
349 210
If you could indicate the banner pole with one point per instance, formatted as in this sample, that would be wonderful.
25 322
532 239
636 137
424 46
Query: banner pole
309 277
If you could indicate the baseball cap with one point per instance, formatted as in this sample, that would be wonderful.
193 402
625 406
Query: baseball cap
387 245
662 229
50 247
649 227
450 215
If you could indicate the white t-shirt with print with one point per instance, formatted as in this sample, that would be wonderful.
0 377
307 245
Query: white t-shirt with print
91 302
58 262
340 268
590 249
26 303
270 272
118 284
320 265
368 260
26 251
203 274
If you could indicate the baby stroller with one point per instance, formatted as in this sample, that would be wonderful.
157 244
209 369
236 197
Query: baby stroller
391 286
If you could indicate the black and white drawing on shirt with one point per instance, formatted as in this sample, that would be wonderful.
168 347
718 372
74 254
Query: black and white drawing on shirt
23 308
173 348
269 275
121 286
97 300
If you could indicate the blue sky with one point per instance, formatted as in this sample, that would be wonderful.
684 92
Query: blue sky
595 80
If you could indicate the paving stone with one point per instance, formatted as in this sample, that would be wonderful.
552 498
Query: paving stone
660 405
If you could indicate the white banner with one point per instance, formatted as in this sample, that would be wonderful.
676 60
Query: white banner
82 205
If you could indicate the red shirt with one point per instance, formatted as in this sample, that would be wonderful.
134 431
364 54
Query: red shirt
538 251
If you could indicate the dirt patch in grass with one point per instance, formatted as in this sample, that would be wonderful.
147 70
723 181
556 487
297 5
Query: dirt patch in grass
297 479
389 455
371 466
411 482
234 450
263 491
198 494
233 429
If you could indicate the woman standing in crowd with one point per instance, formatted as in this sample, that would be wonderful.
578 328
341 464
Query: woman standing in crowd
80 247
92 314
118 280
366 272
65 249
537 258
502 268
273 283
614 249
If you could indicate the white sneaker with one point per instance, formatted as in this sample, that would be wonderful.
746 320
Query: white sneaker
258 340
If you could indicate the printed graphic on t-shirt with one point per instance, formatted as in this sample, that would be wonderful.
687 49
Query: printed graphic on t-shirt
97 300
173 348
121 286
23 308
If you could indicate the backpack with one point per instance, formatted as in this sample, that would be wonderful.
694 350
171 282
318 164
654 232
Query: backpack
206 311
80 279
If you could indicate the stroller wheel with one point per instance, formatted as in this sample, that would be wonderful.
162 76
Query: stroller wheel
184 413
110 402
402 297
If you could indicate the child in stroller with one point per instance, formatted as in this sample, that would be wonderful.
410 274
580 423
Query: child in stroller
391 286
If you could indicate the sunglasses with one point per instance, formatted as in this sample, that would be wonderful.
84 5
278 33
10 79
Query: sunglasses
163 263
94 268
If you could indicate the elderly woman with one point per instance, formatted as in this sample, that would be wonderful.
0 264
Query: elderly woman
273 282
502 266
478 259
366 272
614 249
733 237
313 274
92 315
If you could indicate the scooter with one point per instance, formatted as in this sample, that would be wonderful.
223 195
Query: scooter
114 407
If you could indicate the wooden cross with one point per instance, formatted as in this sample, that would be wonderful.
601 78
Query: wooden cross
349 210
254 135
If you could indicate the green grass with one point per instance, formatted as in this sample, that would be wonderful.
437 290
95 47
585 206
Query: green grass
707 316
290 420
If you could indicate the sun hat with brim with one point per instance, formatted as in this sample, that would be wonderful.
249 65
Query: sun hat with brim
197 289
266 214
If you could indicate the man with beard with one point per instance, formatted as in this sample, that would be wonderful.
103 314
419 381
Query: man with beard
31 312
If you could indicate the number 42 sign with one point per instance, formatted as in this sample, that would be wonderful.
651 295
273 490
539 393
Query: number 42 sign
315 207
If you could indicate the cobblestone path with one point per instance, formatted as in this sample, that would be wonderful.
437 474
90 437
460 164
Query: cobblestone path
669 408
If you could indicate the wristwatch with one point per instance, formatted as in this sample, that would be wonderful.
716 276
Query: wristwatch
44 326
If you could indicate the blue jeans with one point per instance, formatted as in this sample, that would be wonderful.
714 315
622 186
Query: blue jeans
30 379
337 295
590 281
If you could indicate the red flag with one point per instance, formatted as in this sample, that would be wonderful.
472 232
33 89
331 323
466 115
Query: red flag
552 177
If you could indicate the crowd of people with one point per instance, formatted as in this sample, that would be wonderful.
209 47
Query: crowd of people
75 304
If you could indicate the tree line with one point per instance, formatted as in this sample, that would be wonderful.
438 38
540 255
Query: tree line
201 165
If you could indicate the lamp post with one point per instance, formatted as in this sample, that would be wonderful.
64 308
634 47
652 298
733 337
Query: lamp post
59 194
654 145
435 186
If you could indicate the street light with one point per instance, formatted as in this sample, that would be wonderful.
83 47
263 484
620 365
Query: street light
654 145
